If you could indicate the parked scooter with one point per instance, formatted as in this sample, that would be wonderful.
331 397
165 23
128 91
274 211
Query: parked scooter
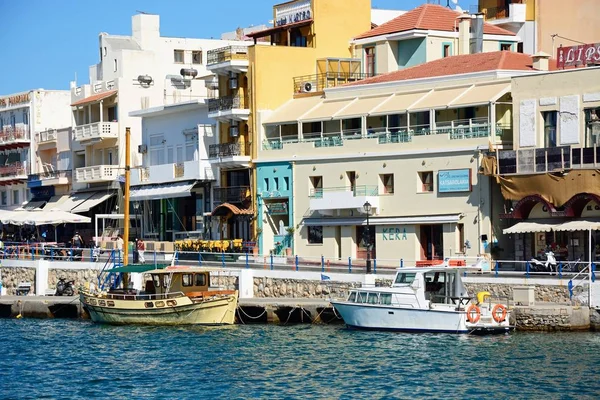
549 265
64 287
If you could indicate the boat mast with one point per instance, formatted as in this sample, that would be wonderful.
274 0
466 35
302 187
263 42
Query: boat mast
126 206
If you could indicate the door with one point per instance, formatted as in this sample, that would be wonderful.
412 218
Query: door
432 242
351 175
364 237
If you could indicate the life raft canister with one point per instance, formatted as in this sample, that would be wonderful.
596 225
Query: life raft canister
499 313
473 314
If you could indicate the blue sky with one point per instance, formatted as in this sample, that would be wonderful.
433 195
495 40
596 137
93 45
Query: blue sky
45 43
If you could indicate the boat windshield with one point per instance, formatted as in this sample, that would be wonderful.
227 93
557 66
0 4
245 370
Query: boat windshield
405 278
370 298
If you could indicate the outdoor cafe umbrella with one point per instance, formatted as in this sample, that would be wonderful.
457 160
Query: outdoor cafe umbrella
43 217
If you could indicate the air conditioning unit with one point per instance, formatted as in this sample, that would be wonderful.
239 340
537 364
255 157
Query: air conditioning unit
308 87
234 131
142 148
233 81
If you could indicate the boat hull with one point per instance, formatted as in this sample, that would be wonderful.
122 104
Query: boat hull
376 317
174 311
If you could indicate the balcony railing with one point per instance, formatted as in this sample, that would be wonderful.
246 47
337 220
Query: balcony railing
318 82
97 130
97 173
50 175
13 170
362 190
224 150
9 134
235 194
552 159
228 53
46 136
225 103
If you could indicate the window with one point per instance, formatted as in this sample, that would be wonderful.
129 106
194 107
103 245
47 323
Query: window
157 151
387 183
191 143
460 233
315 235
1 123
13 120
405 278
286 183
316 186
15 197
505 46
25 117
178 56
370 61
166 281
276 181
385 298
351 179
446 50
549 128
592 125
520 47
187 279
3 198
179 154
267 184
112 114
197 57
170 159
373 298
352 297
115 65
200 280
426 181
361 297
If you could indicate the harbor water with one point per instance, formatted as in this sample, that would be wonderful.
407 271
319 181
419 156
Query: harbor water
51 359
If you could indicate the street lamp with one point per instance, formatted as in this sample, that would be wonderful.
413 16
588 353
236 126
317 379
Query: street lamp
136 207
367 208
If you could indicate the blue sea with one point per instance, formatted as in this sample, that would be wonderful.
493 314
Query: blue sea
56 359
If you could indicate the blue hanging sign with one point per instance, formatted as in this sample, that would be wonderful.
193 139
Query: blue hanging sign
454 180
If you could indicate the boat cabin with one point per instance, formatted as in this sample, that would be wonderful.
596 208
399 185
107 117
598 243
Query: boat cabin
188 281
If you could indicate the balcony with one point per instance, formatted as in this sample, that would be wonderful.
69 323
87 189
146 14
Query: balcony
318 82
544 160
14 137
234 194
46 138
96 132
228 107
228 59
163 173
14 172
49 178
514 13
228 155
326 200
97 173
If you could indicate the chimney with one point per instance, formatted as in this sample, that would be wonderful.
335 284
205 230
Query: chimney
477 33
146 29
541 61
464 23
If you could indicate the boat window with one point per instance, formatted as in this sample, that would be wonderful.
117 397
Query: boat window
352 297
187 279
385 298
373 298
405 278
166 281
156 279
200 280
361 297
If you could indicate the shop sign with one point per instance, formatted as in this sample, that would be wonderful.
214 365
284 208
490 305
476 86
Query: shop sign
16 99
575 56
393 234
295 12
42 192
454 180
278 208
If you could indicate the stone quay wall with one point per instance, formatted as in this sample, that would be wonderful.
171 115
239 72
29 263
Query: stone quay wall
13 276
543 293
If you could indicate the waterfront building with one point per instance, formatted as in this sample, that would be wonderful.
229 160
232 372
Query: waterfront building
138 72
427 33
544 25
28 137
549 174
409 143
308 51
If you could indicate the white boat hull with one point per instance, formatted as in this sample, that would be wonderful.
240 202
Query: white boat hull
184 311
378 317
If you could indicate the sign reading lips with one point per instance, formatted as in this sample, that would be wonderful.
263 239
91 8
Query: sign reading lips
575 56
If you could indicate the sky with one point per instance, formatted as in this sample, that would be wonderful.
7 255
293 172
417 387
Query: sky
47 43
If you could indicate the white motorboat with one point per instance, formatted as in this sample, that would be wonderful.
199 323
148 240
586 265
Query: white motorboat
425 299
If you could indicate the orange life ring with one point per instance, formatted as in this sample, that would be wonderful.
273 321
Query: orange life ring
499 313
473 314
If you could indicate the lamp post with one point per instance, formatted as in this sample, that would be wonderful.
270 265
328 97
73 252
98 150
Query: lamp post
367 208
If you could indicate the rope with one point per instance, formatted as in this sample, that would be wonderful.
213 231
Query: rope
290 315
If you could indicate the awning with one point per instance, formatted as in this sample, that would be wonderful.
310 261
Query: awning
94 98
97 198
419 220
164 191
56 201
68 203
326 110
529 227
293 110
578 225
32 205
276 29
481 94
362 106
225 208
439 98
399 103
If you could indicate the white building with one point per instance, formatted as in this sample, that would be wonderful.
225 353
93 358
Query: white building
24 116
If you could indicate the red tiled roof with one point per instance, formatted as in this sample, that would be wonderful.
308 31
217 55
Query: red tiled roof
455 65
428 17
95 97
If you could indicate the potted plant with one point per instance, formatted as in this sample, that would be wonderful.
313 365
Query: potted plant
290 232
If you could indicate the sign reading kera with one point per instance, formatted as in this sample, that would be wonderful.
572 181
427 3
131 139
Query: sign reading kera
575 56
16 99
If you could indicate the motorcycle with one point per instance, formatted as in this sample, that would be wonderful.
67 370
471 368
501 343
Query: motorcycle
548 266
64 288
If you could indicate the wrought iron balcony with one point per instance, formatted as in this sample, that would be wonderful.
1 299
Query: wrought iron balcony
228 53
234 194
225 103
224 150
50 175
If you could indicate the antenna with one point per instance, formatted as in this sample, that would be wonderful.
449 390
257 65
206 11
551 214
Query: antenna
141 12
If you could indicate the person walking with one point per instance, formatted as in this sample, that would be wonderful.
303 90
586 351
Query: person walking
141 247
119 245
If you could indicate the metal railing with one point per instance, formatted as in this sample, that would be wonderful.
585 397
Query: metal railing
361 190
318 82
226 103
235 194
228 53
224 150
50 175
14 169
550 159
9 134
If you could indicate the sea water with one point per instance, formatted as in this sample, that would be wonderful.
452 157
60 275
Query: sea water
54 359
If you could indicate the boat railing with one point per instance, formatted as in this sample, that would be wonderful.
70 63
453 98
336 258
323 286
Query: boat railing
159 296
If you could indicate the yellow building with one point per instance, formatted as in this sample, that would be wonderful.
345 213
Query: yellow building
545 25
309 39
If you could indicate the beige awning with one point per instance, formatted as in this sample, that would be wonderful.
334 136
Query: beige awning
399 103
481 94
362 106
70 202
578 225
97 198
293 110
440 98
529 227
327 109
